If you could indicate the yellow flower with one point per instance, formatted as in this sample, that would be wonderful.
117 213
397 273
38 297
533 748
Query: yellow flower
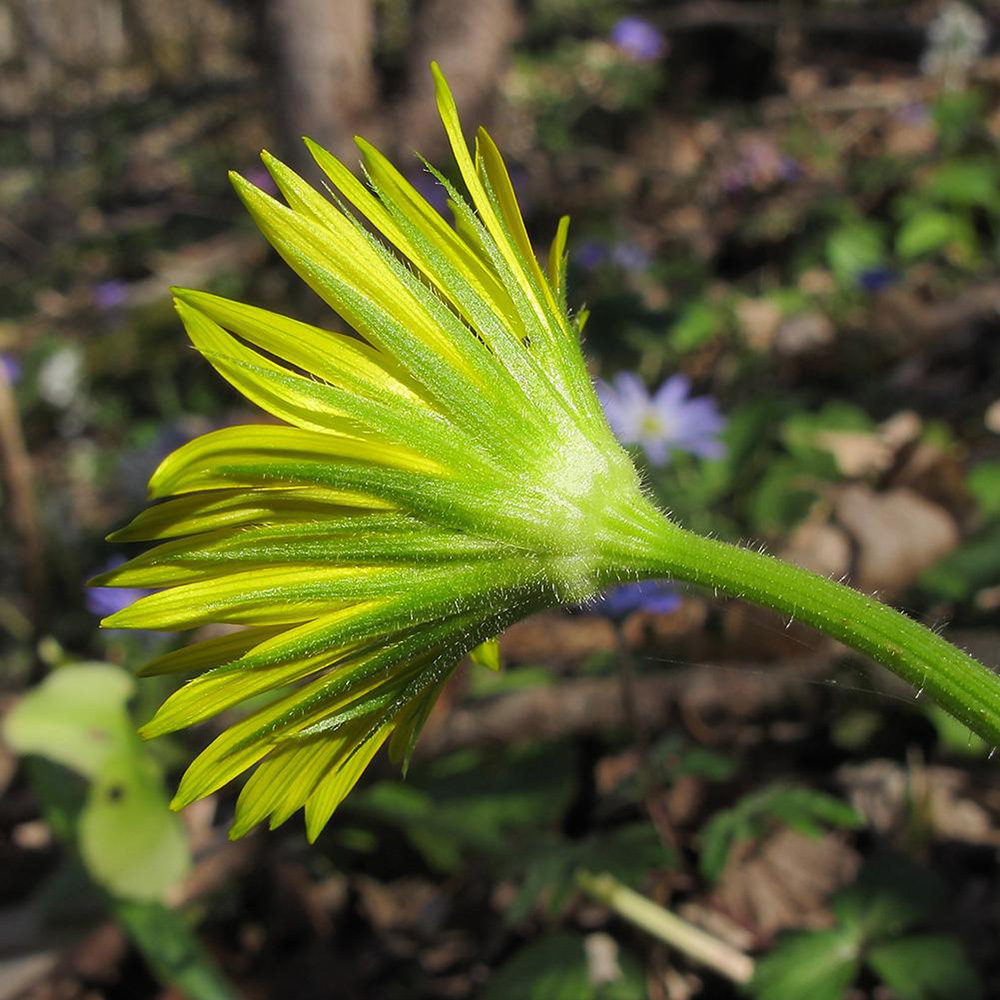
439 478
440 475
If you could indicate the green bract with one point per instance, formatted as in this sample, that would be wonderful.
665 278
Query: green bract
435 481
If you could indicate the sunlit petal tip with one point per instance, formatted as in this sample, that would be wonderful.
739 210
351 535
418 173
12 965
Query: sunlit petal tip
120 619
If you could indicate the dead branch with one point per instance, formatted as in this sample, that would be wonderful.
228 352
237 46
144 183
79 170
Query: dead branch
594 705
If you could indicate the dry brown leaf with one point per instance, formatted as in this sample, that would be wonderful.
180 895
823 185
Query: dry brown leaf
823 548
803 333
759 320
898 533
556 638
864 453
783 881
410 905
889 794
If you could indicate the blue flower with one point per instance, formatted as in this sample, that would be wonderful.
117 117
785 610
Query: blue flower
656 596
105 601
874 279
638 39
669 420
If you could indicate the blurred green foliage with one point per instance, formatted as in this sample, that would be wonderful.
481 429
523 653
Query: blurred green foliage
877 925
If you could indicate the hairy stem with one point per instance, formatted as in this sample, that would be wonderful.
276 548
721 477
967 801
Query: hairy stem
955 680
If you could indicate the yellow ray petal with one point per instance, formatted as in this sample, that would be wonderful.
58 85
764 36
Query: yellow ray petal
202 464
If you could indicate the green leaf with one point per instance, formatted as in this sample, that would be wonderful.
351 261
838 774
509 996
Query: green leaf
488 684
549 867
802 433
927 231
853 248
973 565
966 183
699 323
131 843
715 841
474 802
172 950
890 896
783 496
802 809
957 113
672 758
984 484
954 737
75 717
817 966
926 967
555 968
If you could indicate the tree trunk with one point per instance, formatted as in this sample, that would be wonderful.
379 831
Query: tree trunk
323 65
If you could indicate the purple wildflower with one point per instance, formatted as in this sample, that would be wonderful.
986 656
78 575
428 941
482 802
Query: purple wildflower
760 165
11 368
629 256
110 295
590 255
260 178
789 169
105 601
655 596
638 39
667 421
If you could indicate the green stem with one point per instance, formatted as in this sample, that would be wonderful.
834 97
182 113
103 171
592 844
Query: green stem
697 944
955 680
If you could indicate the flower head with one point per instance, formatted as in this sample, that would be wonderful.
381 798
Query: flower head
439 475
638 39
667 421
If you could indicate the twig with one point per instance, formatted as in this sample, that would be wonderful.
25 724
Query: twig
697 944
17 471
591 705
